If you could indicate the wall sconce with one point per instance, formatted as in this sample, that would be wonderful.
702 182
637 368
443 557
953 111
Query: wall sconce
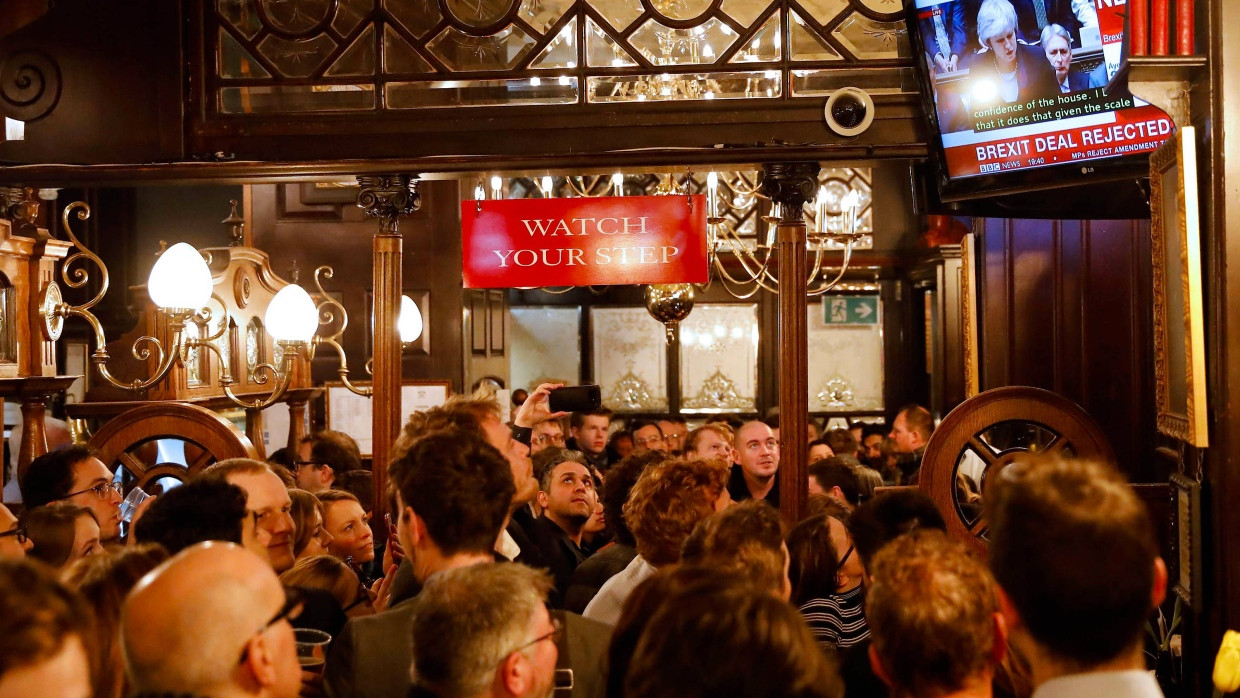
180 286
408 323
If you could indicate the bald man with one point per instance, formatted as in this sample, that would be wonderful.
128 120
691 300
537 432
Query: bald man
211 621
753 477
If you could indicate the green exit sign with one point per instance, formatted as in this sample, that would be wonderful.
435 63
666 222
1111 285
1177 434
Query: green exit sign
850 310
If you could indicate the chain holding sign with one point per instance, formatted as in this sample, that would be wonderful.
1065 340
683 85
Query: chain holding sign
850 310
522 243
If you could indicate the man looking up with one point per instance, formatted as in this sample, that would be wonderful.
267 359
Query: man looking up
75 475
711 441
503 641
565 495
453 491
590 436
910 431
754 476
546 435
212 621
1075 556
268 502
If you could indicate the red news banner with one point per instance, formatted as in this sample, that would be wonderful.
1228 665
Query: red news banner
584 241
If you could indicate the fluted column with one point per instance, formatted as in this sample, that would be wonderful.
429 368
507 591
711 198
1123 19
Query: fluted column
792 185
386 198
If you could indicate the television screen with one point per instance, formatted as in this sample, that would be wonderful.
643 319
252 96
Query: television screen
1018 86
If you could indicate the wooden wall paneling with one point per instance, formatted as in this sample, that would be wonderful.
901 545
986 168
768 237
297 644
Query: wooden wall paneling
1066 307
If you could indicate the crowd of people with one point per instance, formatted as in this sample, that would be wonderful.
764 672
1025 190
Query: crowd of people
558 555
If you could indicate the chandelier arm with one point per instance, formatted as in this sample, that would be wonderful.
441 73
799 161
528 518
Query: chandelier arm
343 370
740 252
142 349
813 274
80 276
329 307
838 277
208 344
260 376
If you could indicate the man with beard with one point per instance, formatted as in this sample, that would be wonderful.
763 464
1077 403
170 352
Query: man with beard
754 476
565 489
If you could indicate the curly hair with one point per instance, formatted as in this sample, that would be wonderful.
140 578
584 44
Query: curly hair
747 538
462 412
667 502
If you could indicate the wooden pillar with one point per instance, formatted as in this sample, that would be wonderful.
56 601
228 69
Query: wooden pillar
34 433
254 431
386 198
792 185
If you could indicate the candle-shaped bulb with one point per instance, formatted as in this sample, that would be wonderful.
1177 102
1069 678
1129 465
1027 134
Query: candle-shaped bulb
546 186
617 183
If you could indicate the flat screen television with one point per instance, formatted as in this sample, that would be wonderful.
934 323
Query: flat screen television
1015 95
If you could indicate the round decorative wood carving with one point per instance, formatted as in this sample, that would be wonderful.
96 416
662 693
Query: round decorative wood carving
241 289
29 85
53 324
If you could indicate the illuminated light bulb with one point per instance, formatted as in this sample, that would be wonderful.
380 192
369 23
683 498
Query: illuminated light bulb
617 62
712 181
546 186
737 333
535 82
617 182
688 336
572 64
727 31
720 331
180 279
755 44
479 193
707 51
291 315
409 322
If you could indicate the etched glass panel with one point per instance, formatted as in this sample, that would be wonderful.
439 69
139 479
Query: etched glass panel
350 14
562 51
1017 435
500 51
719 359
417 17
970 479
764 46
543 14
236 62
241 15
602 50
682 86
680 10
663 45
546 345
806 44
876 81
619 13
296 98
870 40
462 93
296 59
255 338
745 11
845 365
399 56
823 11
358 59
630 359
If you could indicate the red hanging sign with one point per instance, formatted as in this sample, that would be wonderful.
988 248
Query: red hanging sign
584 241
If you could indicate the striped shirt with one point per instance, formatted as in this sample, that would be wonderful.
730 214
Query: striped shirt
838 620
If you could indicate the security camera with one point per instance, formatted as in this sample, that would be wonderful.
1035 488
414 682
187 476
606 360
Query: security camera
849 111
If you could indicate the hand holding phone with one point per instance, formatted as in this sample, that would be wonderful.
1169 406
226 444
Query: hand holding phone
577 398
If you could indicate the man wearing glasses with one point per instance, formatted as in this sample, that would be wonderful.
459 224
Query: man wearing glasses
496 617
212 621
268 502
13 540
75 475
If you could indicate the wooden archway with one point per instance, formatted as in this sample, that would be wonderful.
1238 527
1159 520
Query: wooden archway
128 440
987 432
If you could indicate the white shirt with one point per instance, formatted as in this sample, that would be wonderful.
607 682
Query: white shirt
1133 683
606 604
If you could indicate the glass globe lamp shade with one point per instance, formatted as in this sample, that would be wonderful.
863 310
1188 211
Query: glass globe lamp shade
291 316
180 279
410 320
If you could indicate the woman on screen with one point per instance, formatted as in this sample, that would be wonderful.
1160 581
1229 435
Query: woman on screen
1006 69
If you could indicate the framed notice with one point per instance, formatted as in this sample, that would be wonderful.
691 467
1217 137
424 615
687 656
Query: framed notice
1186 540
1179 329
352 414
